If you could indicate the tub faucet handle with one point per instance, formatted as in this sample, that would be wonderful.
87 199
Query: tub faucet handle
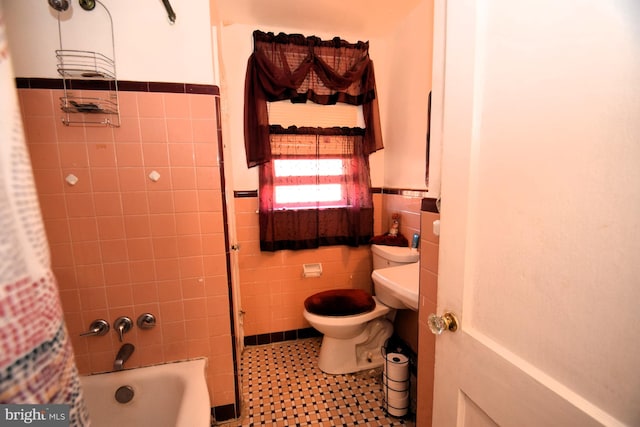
122 325
146 321
98 328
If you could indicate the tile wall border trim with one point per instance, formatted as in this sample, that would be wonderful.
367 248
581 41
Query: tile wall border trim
406 192
123 86
429 205
235 409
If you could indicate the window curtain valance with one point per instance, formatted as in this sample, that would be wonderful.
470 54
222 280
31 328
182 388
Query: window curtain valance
302 68
304 130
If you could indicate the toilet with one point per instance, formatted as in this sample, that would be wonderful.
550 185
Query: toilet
354 323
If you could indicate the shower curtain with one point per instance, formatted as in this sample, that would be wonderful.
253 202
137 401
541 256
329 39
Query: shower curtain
36 358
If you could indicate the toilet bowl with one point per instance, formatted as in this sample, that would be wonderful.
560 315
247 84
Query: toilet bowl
352 340
352 343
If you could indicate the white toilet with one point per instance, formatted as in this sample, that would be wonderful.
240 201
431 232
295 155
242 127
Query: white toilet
352 342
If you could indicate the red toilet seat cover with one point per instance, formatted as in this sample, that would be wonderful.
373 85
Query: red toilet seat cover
340 302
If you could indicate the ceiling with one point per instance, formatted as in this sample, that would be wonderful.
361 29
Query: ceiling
357 17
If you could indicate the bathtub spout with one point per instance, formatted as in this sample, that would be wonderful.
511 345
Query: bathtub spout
124 354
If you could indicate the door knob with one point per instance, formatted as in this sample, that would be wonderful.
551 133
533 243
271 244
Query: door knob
438 324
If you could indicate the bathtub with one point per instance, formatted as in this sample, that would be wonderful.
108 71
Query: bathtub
171 395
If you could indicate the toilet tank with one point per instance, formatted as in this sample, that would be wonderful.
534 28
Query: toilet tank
391 256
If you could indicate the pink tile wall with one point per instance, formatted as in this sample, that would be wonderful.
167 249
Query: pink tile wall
122 244
410 326
271 284
409 210
272 287
406 322
429 245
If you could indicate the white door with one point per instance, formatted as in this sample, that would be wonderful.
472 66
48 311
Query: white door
540 220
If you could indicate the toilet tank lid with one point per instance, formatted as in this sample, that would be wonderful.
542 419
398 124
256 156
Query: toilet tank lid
396 253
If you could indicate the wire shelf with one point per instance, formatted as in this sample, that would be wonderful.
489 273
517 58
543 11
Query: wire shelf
82 64
95 74
88 105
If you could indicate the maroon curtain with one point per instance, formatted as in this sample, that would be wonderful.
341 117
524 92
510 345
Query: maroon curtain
303 68
318 225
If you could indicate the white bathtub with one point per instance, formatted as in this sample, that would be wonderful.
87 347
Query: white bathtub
171 395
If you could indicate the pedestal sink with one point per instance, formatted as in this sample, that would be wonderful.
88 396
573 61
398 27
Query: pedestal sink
398 287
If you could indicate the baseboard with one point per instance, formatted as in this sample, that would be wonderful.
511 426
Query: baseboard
225 412
273 337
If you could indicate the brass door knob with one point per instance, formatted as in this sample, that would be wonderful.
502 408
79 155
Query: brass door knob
438 324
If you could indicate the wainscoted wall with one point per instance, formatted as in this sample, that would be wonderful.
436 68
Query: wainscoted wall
407 203
123 244
430 244
271 284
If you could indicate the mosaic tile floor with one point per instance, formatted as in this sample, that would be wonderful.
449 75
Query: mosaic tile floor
282 386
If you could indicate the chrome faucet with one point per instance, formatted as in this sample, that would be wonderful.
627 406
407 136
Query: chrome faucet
123 355
122 325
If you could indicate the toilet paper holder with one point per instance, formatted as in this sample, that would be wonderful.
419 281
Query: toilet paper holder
312 270
396 384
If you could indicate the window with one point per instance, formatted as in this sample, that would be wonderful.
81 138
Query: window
317 183
302 180
315 191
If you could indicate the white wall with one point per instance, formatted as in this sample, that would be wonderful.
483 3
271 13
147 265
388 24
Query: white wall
402 62
405 94
236 45
147 46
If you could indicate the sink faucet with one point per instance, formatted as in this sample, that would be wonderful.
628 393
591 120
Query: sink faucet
123 355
